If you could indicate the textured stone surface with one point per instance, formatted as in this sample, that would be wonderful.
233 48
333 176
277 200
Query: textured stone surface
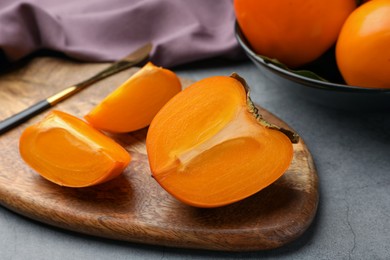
352 154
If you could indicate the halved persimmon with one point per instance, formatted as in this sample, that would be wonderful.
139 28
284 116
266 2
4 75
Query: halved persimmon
208 147
69 152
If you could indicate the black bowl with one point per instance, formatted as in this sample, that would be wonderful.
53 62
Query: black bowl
333 93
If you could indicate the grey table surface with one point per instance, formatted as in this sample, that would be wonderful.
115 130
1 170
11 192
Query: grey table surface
351 150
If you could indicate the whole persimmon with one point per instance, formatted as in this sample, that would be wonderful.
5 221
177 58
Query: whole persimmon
363 47
295 32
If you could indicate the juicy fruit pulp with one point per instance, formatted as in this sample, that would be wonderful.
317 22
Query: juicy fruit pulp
69 152
133 105
207 149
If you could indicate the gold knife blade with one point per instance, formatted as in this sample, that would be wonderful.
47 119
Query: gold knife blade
136 57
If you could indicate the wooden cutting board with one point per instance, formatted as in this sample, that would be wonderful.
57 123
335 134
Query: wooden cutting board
133 207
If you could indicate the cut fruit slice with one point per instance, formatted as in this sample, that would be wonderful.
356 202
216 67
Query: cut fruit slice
69 152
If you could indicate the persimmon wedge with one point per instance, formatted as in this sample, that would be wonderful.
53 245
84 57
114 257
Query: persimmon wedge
209 147
133 104
69 152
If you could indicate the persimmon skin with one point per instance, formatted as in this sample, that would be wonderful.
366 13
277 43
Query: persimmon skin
362 50
133 104
295 32
69 152
207 149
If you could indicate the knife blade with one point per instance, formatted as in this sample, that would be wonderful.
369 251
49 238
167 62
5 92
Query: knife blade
136 57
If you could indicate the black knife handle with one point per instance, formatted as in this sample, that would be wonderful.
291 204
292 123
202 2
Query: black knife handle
17 119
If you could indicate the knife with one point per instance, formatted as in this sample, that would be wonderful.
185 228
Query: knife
136 57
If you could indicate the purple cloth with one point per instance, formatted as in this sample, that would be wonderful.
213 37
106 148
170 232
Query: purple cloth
181 31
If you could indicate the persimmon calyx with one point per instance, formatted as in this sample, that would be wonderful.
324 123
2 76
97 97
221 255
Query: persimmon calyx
294 137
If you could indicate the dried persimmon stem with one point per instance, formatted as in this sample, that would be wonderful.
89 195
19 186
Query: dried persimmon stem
294 137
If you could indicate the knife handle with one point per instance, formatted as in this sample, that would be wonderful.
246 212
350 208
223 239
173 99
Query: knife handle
23 116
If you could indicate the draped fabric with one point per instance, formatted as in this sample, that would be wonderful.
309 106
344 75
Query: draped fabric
181 31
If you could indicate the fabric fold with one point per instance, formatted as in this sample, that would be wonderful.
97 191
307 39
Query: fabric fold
181 31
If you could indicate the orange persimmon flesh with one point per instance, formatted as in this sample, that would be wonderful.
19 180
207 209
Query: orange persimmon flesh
133 105
207 148
69 152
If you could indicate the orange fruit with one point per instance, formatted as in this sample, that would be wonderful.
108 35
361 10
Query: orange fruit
135 102
363 47
295 32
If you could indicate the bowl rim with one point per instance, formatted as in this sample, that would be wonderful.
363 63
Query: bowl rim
314 83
